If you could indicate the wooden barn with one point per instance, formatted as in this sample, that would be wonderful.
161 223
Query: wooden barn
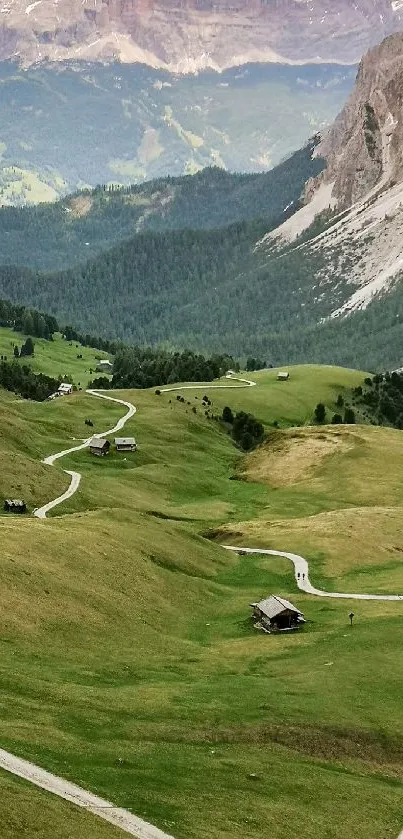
125 444
15 505
283 376
65 389
277 615
99 446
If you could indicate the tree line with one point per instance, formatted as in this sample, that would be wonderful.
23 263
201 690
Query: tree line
20 379
27 320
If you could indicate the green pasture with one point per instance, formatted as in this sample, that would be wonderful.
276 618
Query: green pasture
27 811
290 402
129 662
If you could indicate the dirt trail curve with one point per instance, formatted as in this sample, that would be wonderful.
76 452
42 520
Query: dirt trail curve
40 513
208 386
70 792
301 570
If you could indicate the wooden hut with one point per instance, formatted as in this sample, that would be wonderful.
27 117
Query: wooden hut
125 444
277 615
99 446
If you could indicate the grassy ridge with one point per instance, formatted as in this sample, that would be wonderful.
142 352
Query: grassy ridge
289 403
128 662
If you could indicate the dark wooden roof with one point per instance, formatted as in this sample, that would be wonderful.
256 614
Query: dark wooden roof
99 443
273 606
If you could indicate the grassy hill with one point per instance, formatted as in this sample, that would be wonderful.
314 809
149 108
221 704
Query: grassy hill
28 811
128 662
288 403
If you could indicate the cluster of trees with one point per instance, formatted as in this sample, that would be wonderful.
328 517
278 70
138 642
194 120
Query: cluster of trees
382 395
95 341
348 417
138 367
29 321
27 349
20 379
245 429
255 364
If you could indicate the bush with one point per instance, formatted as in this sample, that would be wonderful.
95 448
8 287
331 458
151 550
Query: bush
247 431
349 416
320 413
337 419
227 415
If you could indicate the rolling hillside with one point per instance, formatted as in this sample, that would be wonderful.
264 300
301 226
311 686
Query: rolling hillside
141 677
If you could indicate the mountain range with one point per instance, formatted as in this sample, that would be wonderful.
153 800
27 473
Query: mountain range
196 34
299 264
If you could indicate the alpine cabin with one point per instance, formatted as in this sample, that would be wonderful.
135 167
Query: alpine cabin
125 444
283 376
104 366
277 615
99 446
65 389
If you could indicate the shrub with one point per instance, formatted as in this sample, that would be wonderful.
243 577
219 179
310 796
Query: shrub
349 416
227 415
320 413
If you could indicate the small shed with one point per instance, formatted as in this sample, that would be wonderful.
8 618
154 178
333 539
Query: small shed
15 505
99 446
65 389
125 444
283 376
277 615
104 366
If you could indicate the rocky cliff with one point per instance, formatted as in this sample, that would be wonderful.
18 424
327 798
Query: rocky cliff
187 35
360 240
364 147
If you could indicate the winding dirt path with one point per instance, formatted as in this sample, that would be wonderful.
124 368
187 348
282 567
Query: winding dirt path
41 512
208 386
301 570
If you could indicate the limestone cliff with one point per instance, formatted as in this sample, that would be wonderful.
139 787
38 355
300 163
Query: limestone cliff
187 35
364 147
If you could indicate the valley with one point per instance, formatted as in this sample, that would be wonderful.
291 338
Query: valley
129 665
79 124
201 415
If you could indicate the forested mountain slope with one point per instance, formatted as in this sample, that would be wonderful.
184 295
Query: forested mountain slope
54 236
213 291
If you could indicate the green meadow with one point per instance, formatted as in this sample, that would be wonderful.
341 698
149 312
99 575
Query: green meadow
289 402
129 662
56 358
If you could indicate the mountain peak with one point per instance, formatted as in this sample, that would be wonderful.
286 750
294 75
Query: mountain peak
195 34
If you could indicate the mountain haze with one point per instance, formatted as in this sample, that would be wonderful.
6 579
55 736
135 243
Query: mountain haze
190 36
77 125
